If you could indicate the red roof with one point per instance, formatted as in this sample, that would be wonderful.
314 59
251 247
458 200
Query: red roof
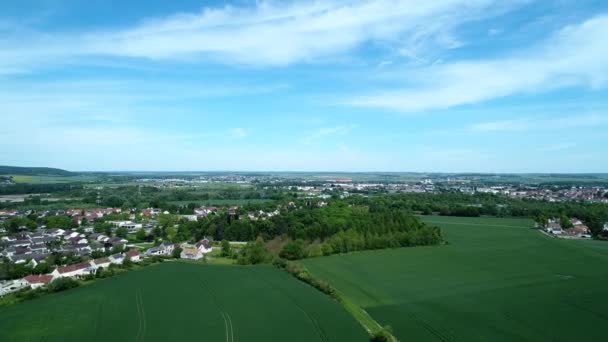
132 253
75 267
37 279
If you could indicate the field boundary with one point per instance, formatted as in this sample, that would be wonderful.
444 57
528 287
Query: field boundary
477 224
358 313
311 319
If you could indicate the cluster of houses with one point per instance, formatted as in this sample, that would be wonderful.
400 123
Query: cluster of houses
78 270
37 246
578 228
189 251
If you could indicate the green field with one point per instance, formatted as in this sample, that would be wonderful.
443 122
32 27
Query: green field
222 201
44 179
184 301
496 280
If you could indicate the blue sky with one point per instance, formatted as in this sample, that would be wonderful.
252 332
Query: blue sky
376 85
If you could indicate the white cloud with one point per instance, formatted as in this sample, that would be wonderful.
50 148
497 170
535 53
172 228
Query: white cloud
573 56
555 123
323 132
557 147
505 125
267 33
238 132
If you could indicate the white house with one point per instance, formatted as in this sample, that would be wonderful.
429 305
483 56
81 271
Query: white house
196 251
605 227
117 258
129 225
76 271
204 246
190 252
102 262
57 232
134 255
36 281
553 227
12 286
164 249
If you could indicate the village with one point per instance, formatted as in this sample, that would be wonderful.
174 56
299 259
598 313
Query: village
571 228
92 251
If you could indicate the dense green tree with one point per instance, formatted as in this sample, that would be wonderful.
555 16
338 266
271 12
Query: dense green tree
122 232
293 250
140 235
226 249
254 252
177 251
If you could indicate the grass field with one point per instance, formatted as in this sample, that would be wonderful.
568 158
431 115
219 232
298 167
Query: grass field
223 202
496 280
184 301
35 179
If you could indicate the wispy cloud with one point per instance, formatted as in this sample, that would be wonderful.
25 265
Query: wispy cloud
267 33
557 147
556 123
505 125
323 132
238 132
573 56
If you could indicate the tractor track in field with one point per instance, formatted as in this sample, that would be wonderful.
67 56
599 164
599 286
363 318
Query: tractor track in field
141 331
225 315
429 327
317 328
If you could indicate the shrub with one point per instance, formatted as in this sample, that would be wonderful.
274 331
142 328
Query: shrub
293 250
63 284
383 335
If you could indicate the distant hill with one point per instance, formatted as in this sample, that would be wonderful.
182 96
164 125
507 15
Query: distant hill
33 171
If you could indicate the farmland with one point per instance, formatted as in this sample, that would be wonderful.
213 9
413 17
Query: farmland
496 280
52 179
176 300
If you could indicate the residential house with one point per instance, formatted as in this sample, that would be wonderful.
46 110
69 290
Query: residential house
56 232
150 212
36 281
131 226
553 227
102 262
76 270
166 248
117 258
190 252
12 286
204 246
97 246
134 255
579 230
204 211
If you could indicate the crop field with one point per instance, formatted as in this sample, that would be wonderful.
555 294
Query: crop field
223 201
35 179
496 280
184 301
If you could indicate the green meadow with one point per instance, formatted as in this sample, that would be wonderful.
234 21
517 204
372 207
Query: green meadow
495 280
184 301
52 179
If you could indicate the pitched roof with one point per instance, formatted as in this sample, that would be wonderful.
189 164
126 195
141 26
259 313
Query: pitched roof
204 243
132 253
37 279
101 261
190 251
74 267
